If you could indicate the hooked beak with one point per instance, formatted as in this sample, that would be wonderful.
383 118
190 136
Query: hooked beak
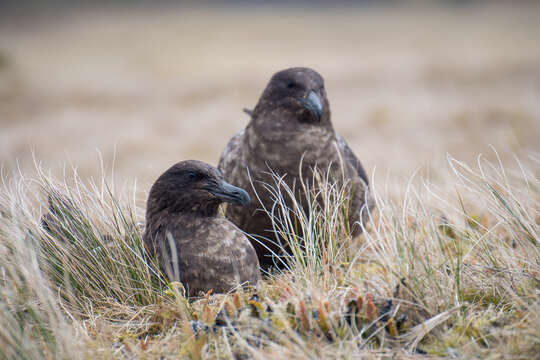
230 193
313 104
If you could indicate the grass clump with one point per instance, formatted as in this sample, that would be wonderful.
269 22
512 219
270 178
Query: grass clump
448 268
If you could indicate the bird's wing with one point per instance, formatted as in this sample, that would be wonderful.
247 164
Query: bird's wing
217 256
349 156
363 201
242 255
232 155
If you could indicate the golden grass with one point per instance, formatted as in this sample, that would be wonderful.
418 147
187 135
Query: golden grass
451 269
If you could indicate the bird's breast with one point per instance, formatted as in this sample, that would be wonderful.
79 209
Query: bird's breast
310 147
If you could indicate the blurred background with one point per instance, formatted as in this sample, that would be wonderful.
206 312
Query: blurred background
143 85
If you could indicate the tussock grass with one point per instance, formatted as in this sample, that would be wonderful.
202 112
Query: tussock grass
448 267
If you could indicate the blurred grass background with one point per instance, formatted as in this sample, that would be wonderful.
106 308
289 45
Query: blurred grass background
148 84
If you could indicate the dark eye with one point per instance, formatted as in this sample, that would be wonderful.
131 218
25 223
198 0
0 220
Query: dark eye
291 85
192 175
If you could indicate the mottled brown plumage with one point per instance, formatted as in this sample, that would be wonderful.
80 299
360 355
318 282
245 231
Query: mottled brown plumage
193 243
291 122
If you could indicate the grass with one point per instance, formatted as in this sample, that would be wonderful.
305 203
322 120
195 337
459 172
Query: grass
447 268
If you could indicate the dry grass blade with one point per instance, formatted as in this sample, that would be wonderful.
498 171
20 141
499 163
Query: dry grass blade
417 333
